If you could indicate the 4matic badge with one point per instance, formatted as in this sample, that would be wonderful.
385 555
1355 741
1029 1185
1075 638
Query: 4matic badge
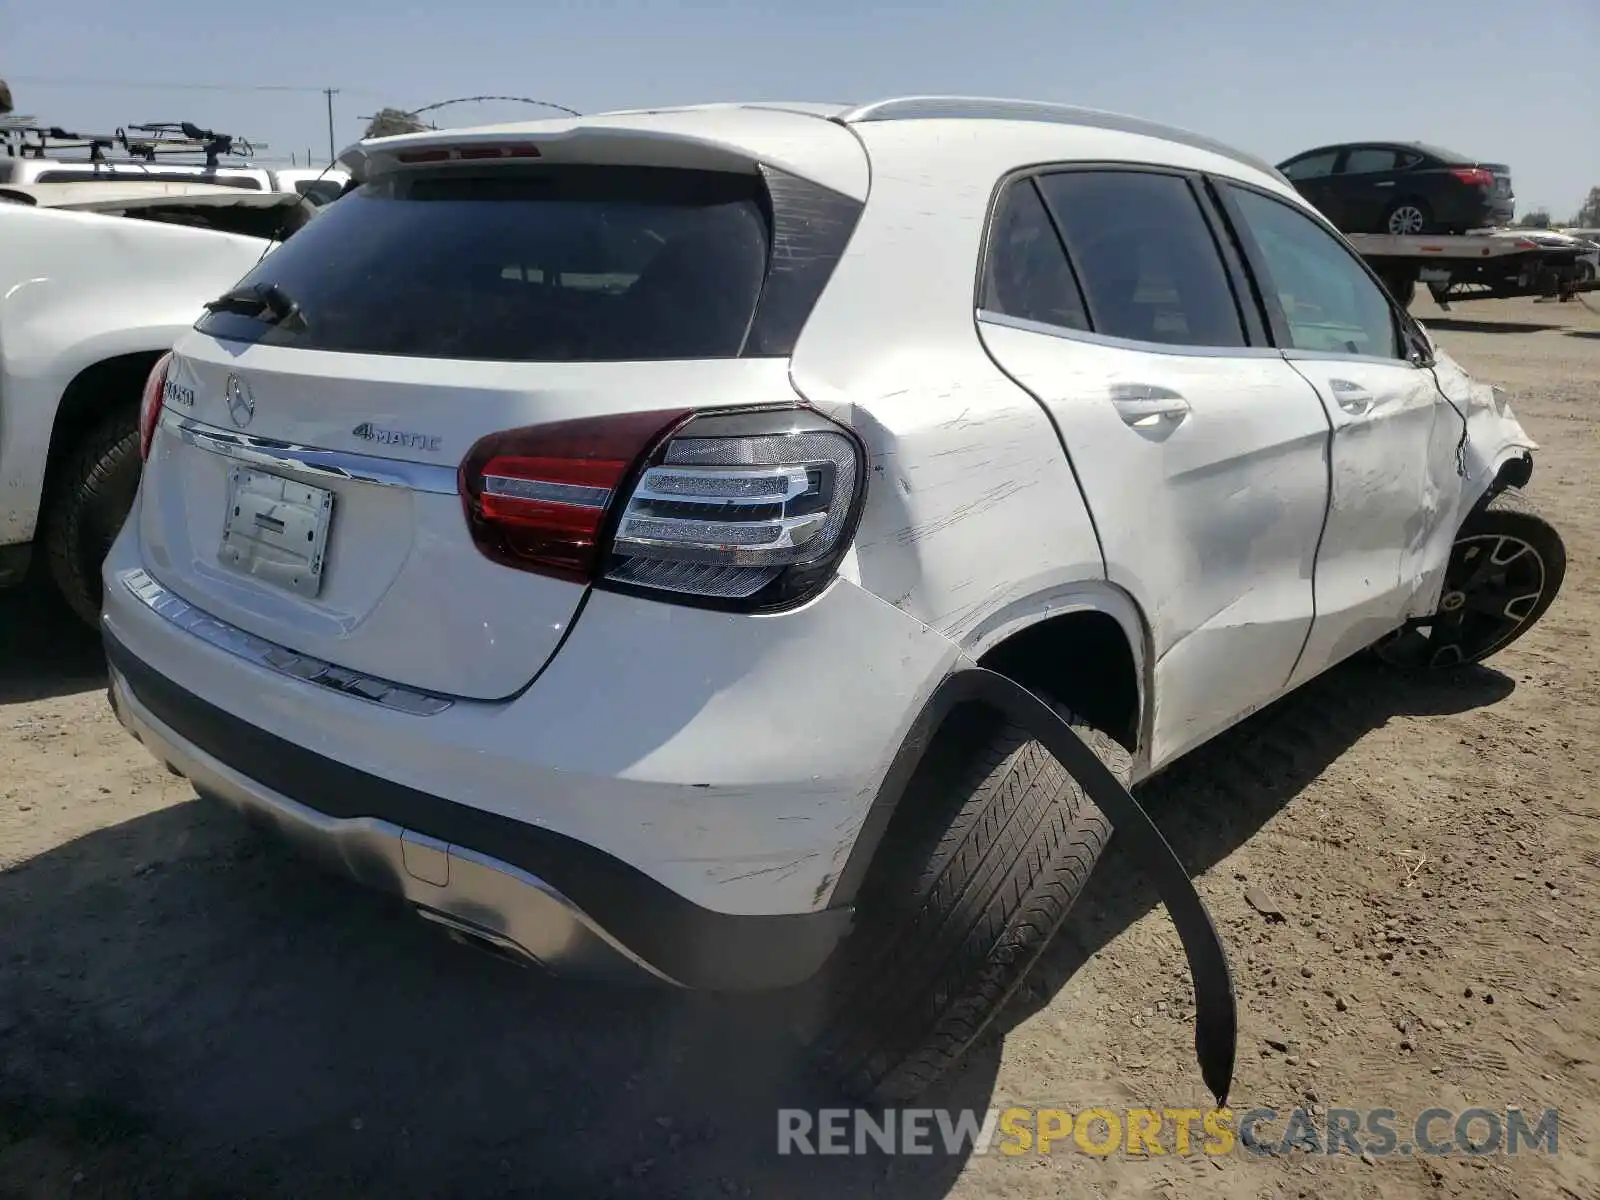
368 432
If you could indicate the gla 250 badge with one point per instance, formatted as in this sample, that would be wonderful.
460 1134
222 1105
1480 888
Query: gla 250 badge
177 394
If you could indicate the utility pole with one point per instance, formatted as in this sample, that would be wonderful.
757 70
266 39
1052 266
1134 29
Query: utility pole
330 93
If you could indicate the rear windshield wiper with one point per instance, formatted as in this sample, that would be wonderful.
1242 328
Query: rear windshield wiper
267 301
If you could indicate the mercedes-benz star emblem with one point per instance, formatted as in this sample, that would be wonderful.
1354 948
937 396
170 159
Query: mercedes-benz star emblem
241 404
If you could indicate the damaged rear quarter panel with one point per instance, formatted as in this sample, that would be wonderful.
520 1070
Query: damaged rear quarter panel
971 508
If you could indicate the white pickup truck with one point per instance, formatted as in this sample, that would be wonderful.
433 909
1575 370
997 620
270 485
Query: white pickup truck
318 185
96 281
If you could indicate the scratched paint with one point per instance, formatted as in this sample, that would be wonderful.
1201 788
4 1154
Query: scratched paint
1013 475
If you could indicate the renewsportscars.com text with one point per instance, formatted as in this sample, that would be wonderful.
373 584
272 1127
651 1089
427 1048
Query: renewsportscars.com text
1377 1132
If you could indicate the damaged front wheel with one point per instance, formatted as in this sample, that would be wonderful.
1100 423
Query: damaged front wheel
1505 569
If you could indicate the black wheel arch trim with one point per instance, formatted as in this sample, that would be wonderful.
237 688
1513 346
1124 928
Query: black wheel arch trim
1514 472
695 946
1216 1009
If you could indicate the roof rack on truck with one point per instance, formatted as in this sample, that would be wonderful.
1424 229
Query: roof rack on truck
1492 264
144 143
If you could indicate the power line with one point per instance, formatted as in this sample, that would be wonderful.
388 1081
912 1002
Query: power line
145 84
514 99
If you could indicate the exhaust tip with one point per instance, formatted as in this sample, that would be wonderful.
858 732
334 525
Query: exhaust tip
478 938
491 948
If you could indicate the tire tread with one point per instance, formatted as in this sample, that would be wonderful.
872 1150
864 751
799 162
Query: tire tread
962 908
95 481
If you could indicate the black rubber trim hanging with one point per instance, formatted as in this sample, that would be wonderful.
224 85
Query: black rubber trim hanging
1216 1031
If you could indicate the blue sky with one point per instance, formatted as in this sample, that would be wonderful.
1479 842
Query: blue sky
1517 82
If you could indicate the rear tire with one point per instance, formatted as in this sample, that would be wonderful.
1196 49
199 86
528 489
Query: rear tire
992 844
89 501
1506 568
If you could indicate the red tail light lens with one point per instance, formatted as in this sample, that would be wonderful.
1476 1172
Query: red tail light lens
1477 176
537 498
473 153
749 510
150 404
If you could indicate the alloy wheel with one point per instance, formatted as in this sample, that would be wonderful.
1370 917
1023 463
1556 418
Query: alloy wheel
1492 586
1407 219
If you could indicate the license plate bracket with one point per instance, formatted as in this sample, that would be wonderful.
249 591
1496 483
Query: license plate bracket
276 529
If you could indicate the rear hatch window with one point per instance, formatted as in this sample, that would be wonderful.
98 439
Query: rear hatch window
555 263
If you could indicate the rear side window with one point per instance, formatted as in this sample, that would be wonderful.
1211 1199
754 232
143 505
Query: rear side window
319 191
1312 166
1025 271
552 263
1145 257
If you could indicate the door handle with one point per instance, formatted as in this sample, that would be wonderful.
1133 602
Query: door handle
1146 411
1353 398
1385 183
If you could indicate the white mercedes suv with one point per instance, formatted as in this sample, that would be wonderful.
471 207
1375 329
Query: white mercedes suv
584 528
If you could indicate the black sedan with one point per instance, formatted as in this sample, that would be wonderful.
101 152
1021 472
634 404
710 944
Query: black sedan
1402 188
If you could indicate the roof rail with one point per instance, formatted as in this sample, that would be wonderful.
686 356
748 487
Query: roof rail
985 108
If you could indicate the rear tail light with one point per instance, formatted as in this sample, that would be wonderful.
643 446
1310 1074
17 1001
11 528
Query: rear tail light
1477 176
150 403
537 498
750 510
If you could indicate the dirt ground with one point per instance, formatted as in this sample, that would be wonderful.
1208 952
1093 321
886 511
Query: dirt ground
186 1011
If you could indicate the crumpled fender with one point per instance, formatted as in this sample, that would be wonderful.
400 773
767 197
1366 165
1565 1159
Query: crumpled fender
1493 441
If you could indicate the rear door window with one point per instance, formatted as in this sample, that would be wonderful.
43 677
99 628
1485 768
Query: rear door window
541 264
1368 160
1145 257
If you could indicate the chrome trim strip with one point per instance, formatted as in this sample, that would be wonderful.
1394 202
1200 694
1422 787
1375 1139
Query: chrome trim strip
983 108
273 657
311 462
1177 349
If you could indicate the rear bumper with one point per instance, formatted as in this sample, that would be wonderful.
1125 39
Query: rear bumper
525 889
730 759
1467 208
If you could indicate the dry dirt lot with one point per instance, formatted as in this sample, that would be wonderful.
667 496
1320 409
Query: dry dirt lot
185 1011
